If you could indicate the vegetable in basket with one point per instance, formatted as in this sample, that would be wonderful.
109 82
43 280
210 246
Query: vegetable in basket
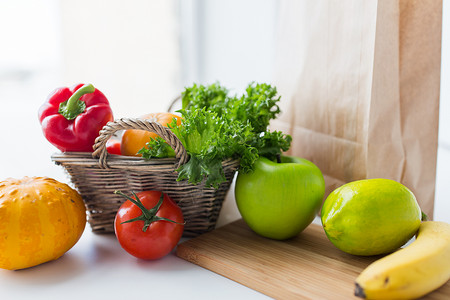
71 118
133 140
216 127
113 146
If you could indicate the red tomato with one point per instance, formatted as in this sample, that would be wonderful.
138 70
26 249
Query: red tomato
148 232
113 147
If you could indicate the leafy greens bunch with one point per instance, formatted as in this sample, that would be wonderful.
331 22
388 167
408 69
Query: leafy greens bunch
217 126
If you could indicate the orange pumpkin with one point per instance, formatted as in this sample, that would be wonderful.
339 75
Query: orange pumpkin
40 220
134 140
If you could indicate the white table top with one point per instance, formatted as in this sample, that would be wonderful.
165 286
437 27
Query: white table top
98 268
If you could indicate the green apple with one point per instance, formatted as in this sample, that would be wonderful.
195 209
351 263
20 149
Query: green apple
278 200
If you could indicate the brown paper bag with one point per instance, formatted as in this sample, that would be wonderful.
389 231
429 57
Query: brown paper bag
360 82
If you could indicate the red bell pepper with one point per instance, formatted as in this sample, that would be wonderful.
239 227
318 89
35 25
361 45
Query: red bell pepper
113 147
71 118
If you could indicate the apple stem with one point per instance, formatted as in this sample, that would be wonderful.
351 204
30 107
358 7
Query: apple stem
279 158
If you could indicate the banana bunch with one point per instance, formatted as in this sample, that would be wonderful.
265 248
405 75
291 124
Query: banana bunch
413 271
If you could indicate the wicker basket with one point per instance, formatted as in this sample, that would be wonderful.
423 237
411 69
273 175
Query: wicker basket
97 175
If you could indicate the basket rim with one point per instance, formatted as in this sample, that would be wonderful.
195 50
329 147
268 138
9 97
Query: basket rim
99 147
122 161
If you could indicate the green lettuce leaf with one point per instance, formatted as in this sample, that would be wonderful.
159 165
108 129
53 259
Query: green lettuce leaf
216 126
156 148
209 139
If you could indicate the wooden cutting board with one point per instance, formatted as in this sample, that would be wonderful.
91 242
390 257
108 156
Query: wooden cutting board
305 267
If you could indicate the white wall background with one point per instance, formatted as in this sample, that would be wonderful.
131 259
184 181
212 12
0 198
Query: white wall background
140 54
130 50
442 198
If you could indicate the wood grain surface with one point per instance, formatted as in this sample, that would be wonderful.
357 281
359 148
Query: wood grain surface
305 267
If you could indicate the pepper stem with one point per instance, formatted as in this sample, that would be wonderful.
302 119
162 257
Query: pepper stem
148 215
71 108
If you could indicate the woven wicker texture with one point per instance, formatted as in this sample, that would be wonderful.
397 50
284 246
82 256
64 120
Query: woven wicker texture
97 175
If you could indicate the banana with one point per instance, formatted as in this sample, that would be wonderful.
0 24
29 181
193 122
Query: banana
410 272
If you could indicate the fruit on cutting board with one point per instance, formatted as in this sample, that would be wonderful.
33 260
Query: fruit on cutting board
413 271
278 200
41 219
371 216
149 224
134 140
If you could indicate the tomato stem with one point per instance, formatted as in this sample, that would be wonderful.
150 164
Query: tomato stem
148 215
